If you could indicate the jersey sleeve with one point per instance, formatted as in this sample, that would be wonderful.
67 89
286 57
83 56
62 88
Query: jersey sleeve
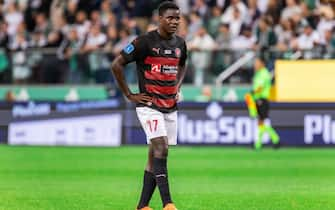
134 50
183 56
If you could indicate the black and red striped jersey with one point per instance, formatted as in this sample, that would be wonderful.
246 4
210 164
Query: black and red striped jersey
157 60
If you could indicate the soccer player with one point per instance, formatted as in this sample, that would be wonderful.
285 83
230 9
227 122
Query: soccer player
261 92
160 56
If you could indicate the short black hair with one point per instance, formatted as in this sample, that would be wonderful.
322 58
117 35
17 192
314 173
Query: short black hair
165 6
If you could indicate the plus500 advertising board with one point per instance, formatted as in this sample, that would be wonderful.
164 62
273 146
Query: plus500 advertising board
298 124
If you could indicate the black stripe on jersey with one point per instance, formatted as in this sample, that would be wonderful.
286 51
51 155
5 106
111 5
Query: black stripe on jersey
164 96
161 83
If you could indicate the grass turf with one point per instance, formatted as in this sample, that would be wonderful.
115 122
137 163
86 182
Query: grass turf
201 178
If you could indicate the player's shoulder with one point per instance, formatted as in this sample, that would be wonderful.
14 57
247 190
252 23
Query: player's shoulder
180 39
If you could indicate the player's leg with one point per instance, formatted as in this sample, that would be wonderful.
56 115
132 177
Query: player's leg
262 115
154 126
268 128
149 182
160 147
261 131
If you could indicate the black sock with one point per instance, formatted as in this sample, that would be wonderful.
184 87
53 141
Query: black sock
149 185
160 171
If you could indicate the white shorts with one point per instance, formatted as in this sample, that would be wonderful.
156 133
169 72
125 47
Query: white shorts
156 124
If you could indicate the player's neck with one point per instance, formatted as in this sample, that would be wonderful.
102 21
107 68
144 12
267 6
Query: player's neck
164 35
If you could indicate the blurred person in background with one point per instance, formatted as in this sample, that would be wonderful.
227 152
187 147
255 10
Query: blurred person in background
228 14
261 86
95 18
5 76
93 44
292 8
201 46
266 40
253 13
160 56
42 24
69 51
13 18
70 11
125 37
285 34
235 23
18 45
194 25
223 56
214 22
326 22
246 41
200 7
266 37
82 24
328 45
274 9
307 41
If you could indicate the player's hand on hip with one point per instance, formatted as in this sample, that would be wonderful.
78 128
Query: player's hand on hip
140 98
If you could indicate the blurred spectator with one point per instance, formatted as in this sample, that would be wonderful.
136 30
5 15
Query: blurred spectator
307 41
326 22
228 15
202 45
245 41
292 8
82 24
274 10
184 6
265 35
69 52
183 27
276 27
214 21
70 11
235 23
13 17
223 56
328 46
42 24
95 18
253 12
285 34
37 40
195 24
224 37
4 61
126 37
201 8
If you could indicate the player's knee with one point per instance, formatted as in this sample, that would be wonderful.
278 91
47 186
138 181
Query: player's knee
161 151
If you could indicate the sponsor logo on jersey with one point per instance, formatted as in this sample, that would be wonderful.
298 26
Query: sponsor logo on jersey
167 52
156 68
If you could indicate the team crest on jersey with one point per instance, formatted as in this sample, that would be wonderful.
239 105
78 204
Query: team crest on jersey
177 51
129 48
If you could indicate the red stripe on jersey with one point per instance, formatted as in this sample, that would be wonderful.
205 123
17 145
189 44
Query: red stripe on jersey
161 89
164 103
161 60
159 76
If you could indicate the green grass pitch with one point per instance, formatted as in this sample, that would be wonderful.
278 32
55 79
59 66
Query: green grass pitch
201 178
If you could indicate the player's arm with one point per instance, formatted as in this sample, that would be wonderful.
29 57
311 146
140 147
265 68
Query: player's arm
181 67
118 66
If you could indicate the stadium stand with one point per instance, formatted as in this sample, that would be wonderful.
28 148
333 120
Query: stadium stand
74 41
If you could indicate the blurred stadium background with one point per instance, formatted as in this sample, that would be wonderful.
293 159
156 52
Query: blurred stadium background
68 137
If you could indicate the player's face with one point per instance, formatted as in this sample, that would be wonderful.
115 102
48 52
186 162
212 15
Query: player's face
169 21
